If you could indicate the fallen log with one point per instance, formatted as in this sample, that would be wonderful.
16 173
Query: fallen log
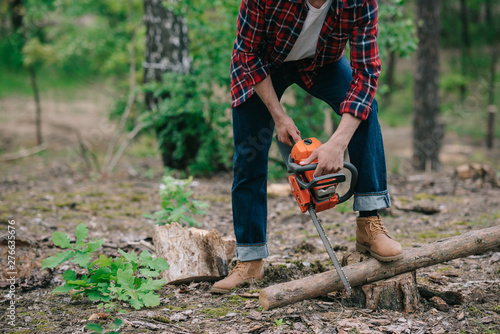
475 242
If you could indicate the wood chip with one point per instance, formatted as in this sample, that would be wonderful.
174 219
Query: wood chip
98 316
439 304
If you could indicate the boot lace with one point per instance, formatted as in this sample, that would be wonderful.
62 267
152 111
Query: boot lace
240 267
376 227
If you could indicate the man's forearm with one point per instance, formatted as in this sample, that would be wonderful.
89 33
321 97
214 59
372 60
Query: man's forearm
267 94
347 126
285 127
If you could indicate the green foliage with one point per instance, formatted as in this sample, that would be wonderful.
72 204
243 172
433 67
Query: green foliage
77 37
98 329
127 278
193 123
396 29
278 322
177 205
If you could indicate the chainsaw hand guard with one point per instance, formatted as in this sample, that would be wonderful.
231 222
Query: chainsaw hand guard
323 181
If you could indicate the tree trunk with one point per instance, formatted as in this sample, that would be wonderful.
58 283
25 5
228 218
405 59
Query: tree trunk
475 242
389 74
38 106
167 48
427 132
16 15
466 44
193 254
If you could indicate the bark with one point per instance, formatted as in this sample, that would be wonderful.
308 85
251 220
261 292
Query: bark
428 133
475 242
193 254
398 293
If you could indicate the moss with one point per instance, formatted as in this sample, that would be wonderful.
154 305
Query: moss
236 300
161 319
254 291
139 198
443 269
474 311
425 196
217 312
176 308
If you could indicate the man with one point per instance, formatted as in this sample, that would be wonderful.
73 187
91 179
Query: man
280 43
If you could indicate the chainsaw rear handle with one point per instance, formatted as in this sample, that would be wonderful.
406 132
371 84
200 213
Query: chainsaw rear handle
333 178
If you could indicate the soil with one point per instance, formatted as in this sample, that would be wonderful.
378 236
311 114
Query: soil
57 189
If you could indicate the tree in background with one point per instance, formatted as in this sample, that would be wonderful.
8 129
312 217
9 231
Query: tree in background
191 107
167 50
396 39
427 131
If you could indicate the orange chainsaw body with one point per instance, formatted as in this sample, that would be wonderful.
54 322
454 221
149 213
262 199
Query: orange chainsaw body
304 197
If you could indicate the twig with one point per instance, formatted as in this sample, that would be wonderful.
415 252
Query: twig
124 146
23 153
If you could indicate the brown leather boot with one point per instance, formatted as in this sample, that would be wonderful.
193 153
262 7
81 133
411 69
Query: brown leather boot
242 272
372 237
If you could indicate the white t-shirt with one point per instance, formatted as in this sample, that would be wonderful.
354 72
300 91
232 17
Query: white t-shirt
305 46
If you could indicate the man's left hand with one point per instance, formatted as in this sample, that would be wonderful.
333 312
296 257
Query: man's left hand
330 159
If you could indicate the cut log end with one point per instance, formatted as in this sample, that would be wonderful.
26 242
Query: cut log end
193 254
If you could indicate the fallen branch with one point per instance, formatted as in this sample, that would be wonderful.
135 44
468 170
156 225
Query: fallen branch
23 153
475 242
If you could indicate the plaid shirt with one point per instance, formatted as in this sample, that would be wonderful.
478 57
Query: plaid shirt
268 29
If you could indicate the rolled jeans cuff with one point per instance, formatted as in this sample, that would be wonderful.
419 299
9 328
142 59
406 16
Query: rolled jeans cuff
371 201
251 252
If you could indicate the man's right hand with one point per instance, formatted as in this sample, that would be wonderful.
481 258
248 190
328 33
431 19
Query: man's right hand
286 129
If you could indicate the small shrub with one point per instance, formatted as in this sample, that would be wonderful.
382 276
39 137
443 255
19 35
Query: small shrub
127 278
177 205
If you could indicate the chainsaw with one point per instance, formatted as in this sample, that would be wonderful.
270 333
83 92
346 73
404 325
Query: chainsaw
316 194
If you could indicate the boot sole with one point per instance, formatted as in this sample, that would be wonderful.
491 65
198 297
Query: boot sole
363 249
221 291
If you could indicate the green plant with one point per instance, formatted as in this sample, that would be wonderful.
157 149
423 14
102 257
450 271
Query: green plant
177 205
279 322
97 329
127 278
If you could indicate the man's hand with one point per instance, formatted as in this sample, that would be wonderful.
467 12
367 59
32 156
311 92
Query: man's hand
330 155
330 159
285 127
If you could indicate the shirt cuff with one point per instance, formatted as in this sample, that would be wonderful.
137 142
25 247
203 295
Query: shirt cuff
357 109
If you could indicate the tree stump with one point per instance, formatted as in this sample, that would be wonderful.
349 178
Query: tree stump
194 255
398 293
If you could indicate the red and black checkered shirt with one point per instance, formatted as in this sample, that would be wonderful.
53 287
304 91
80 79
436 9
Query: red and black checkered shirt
268 29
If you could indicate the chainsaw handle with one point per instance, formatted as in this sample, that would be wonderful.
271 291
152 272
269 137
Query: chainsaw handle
333 178
354 181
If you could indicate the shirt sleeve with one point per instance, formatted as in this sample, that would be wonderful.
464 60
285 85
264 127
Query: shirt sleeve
365 62
250 39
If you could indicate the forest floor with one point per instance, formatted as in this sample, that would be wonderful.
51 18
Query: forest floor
52 191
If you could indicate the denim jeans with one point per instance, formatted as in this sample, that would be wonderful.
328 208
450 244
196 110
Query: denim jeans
253 128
